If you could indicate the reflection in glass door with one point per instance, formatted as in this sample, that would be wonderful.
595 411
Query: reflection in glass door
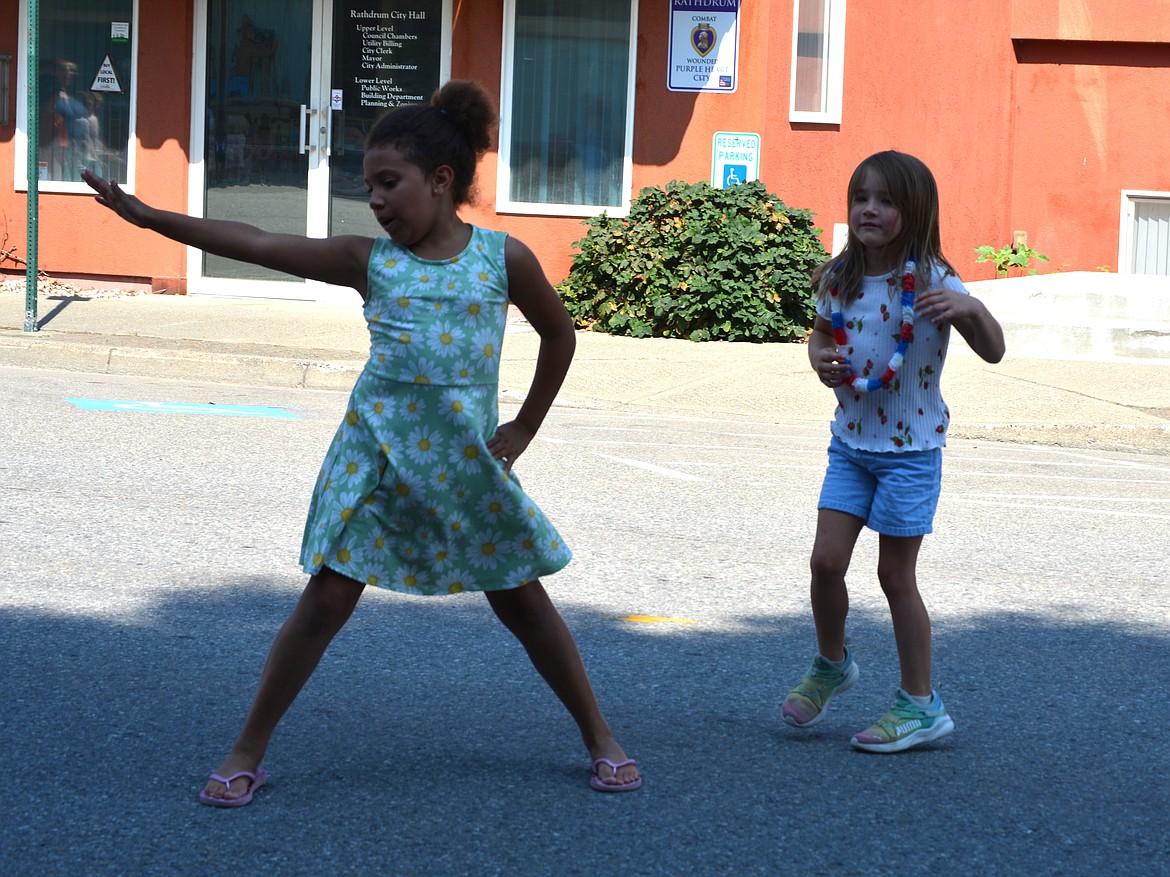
289 91
258 94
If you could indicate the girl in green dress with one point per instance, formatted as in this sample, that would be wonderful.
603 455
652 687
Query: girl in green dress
417 492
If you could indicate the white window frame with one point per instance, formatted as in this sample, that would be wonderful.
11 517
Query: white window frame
20 138
833 73
504 202
1125 242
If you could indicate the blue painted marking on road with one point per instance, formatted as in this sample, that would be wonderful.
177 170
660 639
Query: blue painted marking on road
183 408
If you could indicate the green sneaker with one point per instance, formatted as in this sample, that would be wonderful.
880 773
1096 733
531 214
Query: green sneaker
805 704
906 725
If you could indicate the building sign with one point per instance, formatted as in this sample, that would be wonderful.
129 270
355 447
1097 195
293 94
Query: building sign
388 53
735 159
704 45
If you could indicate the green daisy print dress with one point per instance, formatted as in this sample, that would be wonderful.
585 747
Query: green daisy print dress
409 497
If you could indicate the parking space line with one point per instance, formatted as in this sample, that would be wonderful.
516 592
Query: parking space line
1045 476
650 467
1048 497
666 445
1111 513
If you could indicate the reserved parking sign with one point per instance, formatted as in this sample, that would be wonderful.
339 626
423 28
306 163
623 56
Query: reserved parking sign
735 158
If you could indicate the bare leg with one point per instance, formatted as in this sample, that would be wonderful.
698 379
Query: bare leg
897 560
832 550
530 615
325 605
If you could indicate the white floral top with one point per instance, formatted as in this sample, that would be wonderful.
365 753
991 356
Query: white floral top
910 415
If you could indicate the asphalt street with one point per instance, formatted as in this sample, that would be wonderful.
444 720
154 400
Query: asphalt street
150 556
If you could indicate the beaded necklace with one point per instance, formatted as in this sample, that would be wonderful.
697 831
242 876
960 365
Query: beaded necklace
905 334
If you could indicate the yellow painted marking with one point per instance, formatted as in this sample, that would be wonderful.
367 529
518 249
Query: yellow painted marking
657 619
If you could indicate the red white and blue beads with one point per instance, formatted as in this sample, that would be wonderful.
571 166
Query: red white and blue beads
905 334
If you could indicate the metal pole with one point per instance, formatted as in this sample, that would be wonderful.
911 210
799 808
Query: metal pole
33 80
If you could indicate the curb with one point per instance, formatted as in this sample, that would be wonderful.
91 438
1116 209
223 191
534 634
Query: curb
336 370
180 362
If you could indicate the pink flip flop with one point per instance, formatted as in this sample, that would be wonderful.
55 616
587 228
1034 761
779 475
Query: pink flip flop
601 786
259 778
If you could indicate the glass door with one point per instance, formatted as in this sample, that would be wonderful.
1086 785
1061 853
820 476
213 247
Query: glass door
258 99
287 92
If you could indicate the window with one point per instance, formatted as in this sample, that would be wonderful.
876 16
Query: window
818 61
85 80
567 104
5 87
1145 233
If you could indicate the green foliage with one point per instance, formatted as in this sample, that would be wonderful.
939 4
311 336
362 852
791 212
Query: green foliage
693 261
1008 257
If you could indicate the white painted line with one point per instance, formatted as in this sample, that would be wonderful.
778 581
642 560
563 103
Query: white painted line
1043 497
785 454
1042 476
1101 462
1077 509
611 428
669 445
1135 464
755 435
1095 462
650 467
819 424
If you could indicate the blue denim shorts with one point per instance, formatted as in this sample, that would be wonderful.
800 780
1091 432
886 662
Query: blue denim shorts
894 493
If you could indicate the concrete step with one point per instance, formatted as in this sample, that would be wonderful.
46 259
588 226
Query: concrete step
1082 314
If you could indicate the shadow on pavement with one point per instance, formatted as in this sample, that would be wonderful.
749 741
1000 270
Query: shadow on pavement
425 744
63 301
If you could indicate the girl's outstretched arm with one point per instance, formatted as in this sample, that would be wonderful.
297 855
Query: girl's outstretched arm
531 292
341 260
966 313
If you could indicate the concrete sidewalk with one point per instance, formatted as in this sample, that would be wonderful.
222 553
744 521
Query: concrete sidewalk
1121 404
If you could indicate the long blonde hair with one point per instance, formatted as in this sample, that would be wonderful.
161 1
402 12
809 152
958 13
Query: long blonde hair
912 188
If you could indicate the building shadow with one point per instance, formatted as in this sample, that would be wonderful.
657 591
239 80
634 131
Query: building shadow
426 744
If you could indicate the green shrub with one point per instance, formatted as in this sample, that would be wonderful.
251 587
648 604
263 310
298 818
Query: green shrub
693 261
1009 256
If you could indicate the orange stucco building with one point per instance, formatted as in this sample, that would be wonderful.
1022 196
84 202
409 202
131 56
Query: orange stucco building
1047 117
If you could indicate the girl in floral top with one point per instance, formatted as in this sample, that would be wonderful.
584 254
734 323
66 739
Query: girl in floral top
417 492
885 308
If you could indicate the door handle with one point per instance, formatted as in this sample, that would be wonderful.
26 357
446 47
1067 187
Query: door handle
303 144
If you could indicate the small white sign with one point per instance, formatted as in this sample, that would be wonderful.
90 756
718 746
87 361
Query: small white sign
703 45
735 158
106 79
336 98
120 31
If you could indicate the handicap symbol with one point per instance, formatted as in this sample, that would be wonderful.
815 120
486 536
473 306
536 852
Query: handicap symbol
734 174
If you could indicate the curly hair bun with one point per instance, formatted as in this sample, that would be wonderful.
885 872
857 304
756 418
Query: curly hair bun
467 105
